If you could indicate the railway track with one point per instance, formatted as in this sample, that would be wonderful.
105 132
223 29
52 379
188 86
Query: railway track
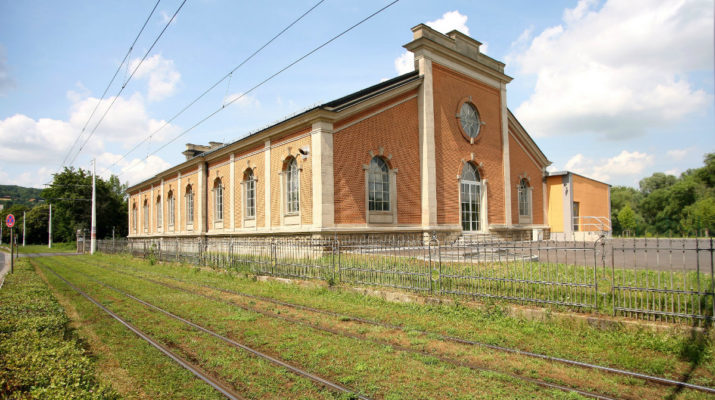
345 317
222 388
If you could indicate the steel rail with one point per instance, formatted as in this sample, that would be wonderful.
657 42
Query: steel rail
185 364
445 359
617 371
232 342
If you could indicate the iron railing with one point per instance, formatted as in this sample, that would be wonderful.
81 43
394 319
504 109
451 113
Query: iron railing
664 279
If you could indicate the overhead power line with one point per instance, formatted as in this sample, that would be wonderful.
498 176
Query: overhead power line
127 81
264 81
228 75
111 81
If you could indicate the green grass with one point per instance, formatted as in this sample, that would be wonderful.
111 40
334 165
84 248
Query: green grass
40 354
42 248
671 354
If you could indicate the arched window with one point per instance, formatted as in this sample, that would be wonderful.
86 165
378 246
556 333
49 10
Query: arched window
218 200
170 207
470 198
250 193
524 200
292 187
378 185
145 217
158 211
134 217
189 205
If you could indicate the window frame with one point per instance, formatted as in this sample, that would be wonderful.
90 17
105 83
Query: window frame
159 213
189 196
249 195
378 174
479 123
292 187
171 210
524 202
481 197
134 217
145 217
218 203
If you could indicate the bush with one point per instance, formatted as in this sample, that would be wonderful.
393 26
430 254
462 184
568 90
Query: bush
40 355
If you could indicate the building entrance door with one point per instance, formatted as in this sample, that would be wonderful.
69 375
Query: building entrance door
470 195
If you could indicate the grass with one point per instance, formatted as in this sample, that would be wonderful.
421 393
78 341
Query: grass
41 356
376 360
42 248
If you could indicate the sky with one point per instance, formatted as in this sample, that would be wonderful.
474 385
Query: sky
612 89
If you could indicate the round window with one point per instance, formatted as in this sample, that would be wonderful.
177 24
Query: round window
469 118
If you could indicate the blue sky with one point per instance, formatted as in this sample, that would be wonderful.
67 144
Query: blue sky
613 89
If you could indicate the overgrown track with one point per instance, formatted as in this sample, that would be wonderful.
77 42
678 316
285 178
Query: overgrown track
194 369
345 317
189 366
358 337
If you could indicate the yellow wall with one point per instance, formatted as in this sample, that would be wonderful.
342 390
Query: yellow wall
555 194
592 197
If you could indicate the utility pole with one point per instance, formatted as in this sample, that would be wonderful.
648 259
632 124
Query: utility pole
0 233
49 234
24 214
93 235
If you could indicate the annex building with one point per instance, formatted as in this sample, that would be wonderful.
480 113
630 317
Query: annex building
433 150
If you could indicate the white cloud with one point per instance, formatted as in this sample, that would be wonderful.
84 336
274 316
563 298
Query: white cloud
674 172
161 73
450 21
47 141
6 82
624 164
678 154
405 63
617 70
241 100
137 170
166 17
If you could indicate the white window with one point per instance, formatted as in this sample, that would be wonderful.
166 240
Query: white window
146 215
189 206
470 198
218 200
158 211
134 217
524 199
469 120
292 187
378 185
170 205
250 190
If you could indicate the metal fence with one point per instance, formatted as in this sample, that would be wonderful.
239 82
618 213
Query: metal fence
664 279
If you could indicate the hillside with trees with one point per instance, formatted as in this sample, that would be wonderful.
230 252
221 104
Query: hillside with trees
70 194
19 195
665 205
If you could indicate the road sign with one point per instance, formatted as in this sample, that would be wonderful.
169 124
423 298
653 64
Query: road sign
10 220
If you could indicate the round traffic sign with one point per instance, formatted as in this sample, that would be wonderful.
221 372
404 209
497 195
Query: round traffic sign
10 220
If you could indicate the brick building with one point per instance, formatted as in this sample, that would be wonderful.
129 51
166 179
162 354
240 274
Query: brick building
433 150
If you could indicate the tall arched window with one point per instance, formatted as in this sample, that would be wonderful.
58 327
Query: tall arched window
170 207
292 187
470 197
134 217
218 200
524 200
145 217
378 185
250 193
189 205
158 211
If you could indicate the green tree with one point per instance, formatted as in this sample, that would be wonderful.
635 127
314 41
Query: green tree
700 216
656 181
627 219
70 194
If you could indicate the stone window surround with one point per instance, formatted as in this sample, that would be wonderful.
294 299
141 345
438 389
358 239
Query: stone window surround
189 206
218 222
159 213
249 222
170 209
293 218
466 136
483 202
381 217
525 219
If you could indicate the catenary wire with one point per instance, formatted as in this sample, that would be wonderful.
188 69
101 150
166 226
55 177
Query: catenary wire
111 81
228 75
262 83
124 85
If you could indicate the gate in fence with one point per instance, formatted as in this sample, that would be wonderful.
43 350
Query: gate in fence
665 279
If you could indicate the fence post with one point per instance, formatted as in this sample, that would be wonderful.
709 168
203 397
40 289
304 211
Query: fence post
340 273
274 256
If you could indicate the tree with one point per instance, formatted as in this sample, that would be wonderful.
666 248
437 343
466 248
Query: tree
70 194
700 216
627 219
656 181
